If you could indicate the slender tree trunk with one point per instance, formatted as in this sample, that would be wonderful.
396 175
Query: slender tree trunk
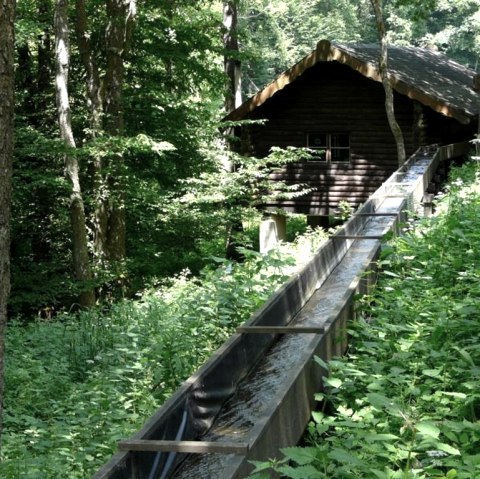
77 213
476 87
121 14
45 60
383 68
114 246
232 64
233 99
91 69
24 80
7 13
95 102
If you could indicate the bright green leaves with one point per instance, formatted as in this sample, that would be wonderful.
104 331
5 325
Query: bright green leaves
300 456
428 429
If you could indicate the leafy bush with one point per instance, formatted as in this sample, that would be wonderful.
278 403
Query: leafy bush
405 401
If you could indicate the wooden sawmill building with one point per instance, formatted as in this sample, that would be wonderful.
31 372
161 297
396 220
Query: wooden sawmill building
333 102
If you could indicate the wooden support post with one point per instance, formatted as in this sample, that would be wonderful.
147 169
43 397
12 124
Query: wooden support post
427 202
272 230
281 225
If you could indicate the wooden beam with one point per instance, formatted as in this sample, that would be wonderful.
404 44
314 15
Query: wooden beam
359 237
375 214
190 447
281 329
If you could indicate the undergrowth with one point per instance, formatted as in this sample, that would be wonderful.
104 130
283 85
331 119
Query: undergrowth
79 383
405 401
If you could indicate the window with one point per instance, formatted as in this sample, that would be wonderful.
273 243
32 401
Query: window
330 147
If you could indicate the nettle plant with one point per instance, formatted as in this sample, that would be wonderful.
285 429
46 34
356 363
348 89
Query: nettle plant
405 401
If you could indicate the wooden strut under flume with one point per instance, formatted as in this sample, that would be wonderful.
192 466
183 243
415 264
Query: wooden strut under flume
281 329
359 237
190 447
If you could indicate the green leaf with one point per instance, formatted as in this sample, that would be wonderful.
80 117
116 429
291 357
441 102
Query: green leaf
321 362
318 416
341 455
300 455
302 472
380 437
378 400
454 394
466 355
390 273
428 428
260 466
380 474
334 382
433 373
448 449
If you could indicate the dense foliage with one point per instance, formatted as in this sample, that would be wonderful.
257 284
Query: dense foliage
172 95
99 376
405 401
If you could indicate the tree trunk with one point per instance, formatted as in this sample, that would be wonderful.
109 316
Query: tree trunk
77 213
476 87
110 219
114 246
233 99
232 64
95 103
44 71
383 68
106 110
7 13
91 69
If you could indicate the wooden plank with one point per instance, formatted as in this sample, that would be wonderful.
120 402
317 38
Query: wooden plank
190 447
375 214
359 237
281 329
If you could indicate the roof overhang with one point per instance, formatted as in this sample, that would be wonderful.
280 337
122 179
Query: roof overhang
328 52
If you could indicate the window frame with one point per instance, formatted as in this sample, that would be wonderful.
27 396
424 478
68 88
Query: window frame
328 148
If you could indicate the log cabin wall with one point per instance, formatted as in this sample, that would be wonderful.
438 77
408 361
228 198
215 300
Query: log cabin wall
333 98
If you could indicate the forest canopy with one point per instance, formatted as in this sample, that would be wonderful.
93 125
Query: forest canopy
145 101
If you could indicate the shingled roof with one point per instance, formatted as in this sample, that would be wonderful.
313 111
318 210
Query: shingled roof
423 75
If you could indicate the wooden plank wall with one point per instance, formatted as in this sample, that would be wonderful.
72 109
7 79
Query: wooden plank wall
331 97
